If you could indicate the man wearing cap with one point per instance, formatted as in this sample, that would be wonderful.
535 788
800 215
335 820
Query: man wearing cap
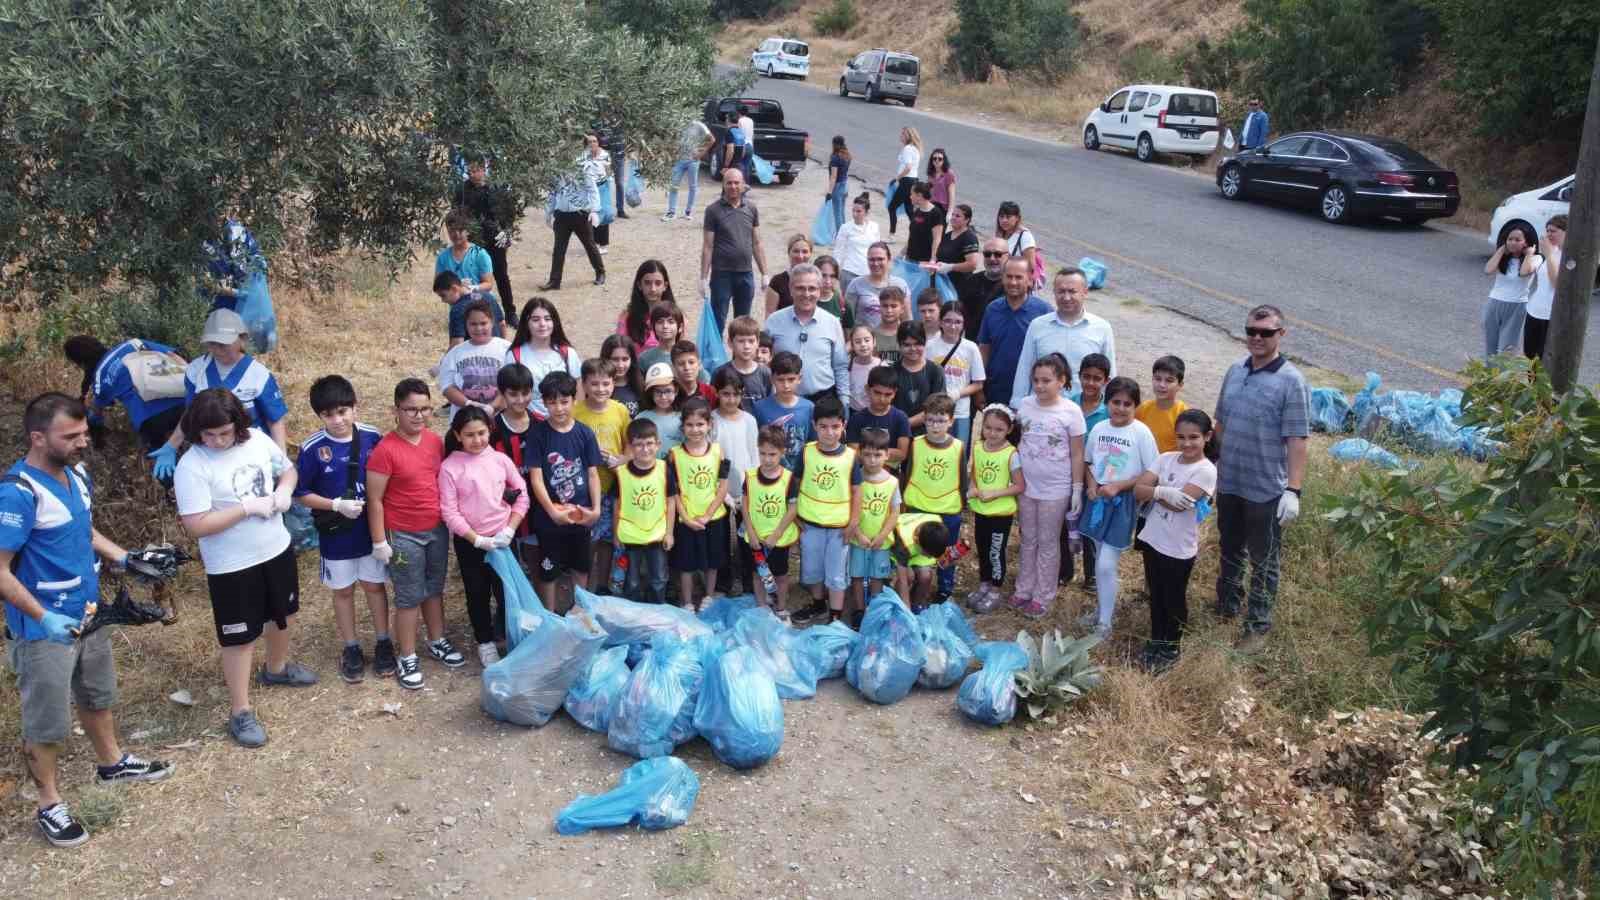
226 365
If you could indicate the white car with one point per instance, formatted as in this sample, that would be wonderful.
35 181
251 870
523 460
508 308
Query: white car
1154 118
785 57
1534 207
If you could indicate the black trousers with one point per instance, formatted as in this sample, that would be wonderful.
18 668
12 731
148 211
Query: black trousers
993 534
502 279
1534 332
901 199
1068 567
1169 604
1250 536
479 583
568 224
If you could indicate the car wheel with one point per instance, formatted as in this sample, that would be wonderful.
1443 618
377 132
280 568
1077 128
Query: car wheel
1145 149
843 91
910 103
1336 204
1091 138
871 94
1506 229
786 178
1232 183
769 71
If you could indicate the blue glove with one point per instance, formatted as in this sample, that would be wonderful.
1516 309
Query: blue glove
166 457
58 628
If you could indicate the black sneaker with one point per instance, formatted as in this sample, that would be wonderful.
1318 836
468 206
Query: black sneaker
59 827
353 665
132 768
383 663
816 610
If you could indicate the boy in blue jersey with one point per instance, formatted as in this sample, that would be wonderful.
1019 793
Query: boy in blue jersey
332 469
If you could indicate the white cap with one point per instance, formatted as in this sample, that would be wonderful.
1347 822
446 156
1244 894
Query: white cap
223 326
660 375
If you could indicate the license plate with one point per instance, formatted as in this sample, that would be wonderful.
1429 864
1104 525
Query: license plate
1430 204
1189 135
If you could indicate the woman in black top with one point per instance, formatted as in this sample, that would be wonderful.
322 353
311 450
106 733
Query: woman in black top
927 224
958 255
799 248
838 179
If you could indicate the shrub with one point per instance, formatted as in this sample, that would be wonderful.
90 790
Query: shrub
1522 69
1313 61
837 19
1037 40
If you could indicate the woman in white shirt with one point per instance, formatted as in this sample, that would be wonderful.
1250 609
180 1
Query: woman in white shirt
853 238
541 344
958 356
1541 300
905 173
233 487
1514 265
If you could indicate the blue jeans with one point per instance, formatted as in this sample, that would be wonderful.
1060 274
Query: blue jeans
740 287
683 168
837 199
647 574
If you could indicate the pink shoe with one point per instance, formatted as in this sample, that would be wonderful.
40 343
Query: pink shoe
1017 601
1034 609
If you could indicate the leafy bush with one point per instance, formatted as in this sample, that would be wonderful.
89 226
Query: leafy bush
1313 61
1518 70
1037 40
749 9
1148 64
837 19
1219 66
1504 635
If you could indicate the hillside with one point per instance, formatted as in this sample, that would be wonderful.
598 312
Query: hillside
1128 40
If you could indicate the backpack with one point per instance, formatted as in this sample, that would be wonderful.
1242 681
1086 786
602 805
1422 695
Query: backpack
156 375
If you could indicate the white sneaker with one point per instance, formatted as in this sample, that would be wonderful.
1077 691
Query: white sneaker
604 250
488 654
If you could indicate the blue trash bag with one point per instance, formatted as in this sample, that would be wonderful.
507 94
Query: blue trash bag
1450 401
594 694
708 340
739 712
948 654
1365 397
530 683
1094 271
946 288
1330 410
655 793
627 622
655 712
608 201
915 277
885 664
633 190
822 228
794 664
721 613
989 695
302 528
763 169
957 620
1111 520
832 643
254 306
1360 450
524 611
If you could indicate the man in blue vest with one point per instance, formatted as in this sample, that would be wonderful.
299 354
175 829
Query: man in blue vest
50 558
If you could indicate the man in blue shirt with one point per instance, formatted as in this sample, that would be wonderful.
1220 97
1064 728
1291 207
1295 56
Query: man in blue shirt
1255 126
47 533
108 381
1005 328
814 335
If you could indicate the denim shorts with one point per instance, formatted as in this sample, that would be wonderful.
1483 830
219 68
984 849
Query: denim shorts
822 557
866 563
419 564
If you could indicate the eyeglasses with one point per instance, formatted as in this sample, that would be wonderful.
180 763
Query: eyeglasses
418 411
1263 332
993 254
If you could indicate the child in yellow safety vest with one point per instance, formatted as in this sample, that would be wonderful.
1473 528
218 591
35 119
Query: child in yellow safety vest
993 483
822 500
644 517
697 488
919 540
769 526
874 507
935 480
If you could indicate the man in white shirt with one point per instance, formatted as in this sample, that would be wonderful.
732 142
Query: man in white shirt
1072 332
814 335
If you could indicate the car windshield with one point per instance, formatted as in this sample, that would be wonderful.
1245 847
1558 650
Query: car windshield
795 48
1393 154
1192 105
900 65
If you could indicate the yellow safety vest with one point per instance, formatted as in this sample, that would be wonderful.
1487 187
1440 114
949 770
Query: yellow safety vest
642 510
876 499
906 531
697 481
991 471
825 486
768 504
934 485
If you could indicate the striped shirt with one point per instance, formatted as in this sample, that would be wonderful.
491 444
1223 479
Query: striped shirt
1257 410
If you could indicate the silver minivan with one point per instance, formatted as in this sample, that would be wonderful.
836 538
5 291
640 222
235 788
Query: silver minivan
880 74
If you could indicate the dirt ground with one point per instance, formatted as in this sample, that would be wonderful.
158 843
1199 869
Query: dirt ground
371 790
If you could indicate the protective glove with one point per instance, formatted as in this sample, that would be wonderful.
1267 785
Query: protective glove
260 507
166 457
502 240
503 537
1075 501
350 508
58 628
1174 497
1288 507
281 499
944 268
594 220
484 543
705 289
382 552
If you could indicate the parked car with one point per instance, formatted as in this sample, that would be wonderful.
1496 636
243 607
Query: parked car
880 74
1154 118
1344 175
785 57
1533 207
786 148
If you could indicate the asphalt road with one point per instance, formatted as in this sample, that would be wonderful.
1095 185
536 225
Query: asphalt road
1402 301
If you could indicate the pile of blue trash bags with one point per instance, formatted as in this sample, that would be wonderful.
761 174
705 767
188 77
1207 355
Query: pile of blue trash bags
1424 423
652 678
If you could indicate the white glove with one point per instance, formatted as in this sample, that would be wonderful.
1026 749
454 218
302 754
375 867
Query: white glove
594 220
502 240
1075 501
484 543
281 498
1174 497
349 508
1288 507
944 268
503 537
549 219
260 507
705 289
382 552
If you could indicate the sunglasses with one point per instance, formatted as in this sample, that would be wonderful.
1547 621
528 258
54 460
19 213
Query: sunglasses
1262 332
993 254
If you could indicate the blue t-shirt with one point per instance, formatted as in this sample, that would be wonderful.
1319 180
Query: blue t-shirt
472 268
795 421
249 380
323 467
50 531
1091 419
836 161
896 422
113 384
562 460
1004 329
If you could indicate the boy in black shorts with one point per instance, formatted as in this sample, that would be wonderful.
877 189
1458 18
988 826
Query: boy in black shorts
566 494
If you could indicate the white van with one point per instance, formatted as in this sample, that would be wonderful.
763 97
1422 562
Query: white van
782 57
1154 118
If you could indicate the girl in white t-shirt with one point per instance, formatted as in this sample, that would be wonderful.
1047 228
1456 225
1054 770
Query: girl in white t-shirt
1514 265
950 349
1019 240
541 344
1541 300
1179 481
468 371
1119 450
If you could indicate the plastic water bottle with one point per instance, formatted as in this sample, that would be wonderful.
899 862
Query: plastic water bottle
764 571
954 553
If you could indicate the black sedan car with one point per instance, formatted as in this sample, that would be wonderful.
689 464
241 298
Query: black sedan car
1343 175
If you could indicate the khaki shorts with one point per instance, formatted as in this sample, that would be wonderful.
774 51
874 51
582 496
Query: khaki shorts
51 676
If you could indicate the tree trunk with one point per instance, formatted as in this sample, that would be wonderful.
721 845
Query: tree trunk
1569 320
